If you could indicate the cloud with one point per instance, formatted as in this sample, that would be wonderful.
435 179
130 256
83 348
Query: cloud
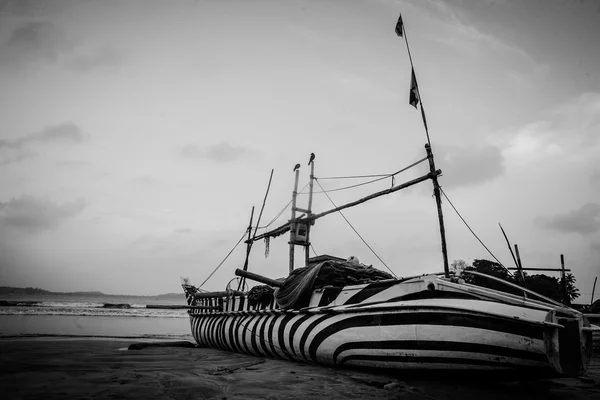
33 214
67 133
584 220
21 156
106 57
38 39
32 8
221 152
72 164
595 246
469 166
465 36
570 131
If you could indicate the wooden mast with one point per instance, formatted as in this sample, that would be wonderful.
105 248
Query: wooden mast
293 220
438 200
309 213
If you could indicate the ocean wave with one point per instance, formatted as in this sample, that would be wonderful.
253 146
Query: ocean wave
95 311
69 336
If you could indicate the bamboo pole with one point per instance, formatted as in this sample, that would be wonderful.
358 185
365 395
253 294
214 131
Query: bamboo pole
593 290
519 264
564 280
309 213
292 223
284 228
508 244
258 278
212 295
438 201
248 248
539 269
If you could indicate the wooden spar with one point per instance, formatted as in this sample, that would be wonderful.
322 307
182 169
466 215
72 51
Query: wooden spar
593 290
258 278
212 295
309 213
563 279
178 307
508 244
264 202
284 228
438 200
519 265
292 222
248 248
250 242
538 269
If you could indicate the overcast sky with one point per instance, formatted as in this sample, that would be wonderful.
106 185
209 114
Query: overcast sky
136 135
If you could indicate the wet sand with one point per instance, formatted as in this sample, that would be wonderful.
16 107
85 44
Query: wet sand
60 368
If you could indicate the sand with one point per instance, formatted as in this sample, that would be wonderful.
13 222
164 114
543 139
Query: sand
59 368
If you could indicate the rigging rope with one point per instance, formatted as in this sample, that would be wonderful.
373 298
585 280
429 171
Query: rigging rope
313 249
371 181
355 176
355 231
467 225
227 256
280 212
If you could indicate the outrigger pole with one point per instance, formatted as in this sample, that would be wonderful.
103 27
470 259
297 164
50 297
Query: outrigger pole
414 99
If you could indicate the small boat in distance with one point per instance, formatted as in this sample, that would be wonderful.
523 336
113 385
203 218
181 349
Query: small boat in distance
339 312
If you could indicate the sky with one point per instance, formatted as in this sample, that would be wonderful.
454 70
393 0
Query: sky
136 136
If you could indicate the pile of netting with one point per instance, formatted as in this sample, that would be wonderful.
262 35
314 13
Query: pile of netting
298 287
260 296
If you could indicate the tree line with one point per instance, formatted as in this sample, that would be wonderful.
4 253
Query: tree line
545 285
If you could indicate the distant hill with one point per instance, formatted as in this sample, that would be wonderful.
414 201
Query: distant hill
29 291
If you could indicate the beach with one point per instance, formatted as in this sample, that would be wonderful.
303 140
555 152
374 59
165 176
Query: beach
102 368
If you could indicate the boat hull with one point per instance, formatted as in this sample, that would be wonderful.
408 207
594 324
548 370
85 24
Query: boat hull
422 323
420 337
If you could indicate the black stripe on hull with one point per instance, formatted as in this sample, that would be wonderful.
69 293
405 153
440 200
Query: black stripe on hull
438 346
329 295
369 291
367 359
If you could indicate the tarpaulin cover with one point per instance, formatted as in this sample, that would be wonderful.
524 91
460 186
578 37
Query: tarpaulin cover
298 287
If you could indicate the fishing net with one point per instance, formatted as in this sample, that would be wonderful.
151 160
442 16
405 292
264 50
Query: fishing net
260 295
298 287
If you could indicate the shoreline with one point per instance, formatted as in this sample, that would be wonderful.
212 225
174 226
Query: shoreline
99 367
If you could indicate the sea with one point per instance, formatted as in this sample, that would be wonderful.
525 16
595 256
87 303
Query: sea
94 317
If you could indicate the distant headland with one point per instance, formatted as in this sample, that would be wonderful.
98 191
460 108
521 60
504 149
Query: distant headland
8 291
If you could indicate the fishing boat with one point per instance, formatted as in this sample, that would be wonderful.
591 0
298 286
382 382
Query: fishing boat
336 311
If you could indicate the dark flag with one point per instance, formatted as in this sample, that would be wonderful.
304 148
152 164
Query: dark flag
414 96
399 26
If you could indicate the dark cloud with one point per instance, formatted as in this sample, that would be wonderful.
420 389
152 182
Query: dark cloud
595 246
67 133
468 166
33 8
21 156
38 39
33 214
106 57
584 220
221 152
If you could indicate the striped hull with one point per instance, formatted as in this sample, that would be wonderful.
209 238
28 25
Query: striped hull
415 338
421 323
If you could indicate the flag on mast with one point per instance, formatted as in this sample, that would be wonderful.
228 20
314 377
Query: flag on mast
399 26
414 96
